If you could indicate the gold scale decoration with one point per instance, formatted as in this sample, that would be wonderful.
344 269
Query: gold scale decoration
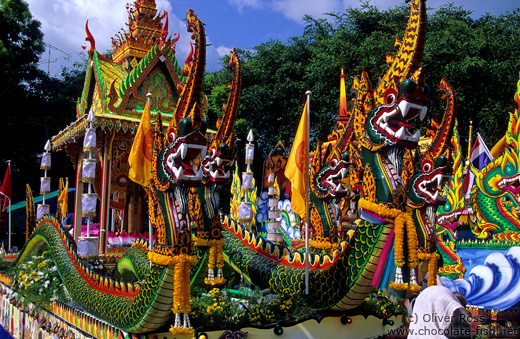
401 220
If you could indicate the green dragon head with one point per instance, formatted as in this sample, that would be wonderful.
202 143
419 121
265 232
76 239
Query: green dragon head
177 155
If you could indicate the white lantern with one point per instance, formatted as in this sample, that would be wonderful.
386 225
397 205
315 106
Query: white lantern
272 191
41 210
274 214
250 153
89 143
270 179
88 170
88 204
247 180
45 185
250 148
245 212
273 202
46 161
275 237
273 225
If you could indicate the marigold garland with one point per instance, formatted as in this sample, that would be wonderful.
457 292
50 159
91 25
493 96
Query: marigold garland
167 260
215 281
432 259
405 286
181 330
400 220
216 256
322 243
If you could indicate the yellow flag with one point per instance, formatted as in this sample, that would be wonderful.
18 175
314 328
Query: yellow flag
297 166
140 158
63 200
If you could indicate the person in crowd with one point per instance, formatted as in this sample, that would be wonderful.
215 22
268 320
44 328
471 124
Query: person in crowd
438 313
68 221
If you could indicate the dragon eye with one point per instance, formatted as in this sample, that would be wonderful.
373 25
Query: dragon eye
333 162
171 135
390 96
427 167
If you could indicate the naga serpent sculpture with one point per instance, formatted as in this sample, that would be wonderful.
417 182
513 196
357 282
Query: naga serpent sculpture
145 302
342 279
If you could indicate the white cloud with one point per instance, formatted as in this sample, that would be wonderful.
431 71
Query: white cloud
224 50
241 4
63 24
296 9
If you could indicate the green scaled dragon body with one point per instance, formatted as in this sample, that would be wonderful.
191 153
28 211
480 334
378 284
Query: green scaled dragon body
342 279
495 195
144 303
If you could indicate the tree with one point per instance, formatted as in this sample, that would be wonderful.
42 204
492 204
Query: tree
21 45
480 59
34 106
478 56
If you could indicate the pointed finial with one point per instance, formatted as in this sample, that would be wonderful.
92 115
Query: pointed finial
250 136
91 116
48 146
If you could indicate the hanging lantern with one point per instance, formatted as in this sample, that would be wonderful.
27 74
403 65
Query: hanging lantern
88 205
272 190
245 212
273 225
45 185
88 170
247 181
46 161
41 210
250 148
274 214
89 142
273 202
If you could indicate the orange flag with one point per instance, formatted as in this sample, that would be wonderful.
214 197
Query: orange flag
297 165
63 201
140 158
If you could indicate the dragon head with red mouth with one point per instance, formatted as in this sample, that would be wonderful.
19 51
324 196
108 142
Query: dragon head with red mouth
180 158
426 186
331 176
390 123
218 163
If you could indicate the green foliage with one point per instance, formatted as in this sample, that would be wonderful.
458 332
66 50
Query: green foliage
220 309
379 305
35 107
478 56
38 281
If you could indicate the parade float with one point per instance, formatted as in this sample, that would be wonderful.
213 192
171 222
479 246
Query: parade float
142 151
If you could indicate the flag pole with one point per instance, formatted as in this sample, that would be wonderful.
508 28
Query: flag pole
308 93
150 228
9 169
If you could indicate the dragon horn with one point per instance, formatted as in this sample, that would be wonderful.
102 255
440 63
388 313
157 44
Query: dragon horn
442 138
410 52
90 38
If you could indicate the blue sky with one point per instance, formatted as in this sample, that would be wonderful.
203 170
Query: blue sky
229 23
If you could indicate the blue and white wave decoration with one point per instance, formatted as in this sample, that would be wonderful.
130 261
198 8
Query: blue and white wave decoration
494 285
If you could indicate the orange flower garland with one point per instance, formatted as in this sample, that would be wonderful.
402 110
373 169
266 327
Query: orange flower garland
432 259
181 292
400 220
216 259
